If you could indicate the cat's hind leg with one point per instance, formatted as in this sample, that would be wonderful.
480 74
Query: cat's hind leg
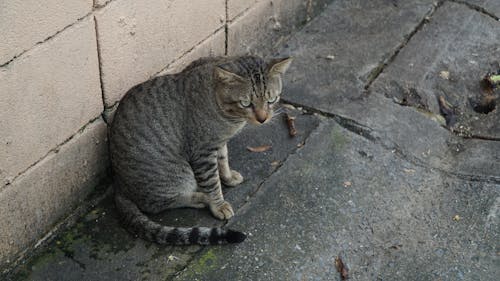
228 177
191 200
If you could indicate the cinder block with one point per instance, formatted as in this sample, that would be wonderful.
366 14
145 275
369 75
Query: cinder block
236 7
47 95
212 46
262 28
24 23
101 3
46 193
136 40
258 25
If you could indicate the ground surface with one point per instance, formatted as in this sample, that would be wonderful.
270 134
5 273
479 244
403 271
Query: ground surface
376 175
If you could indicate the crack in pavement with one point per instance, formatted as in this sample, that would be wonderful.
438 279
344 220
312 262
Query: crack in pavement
244 205
366 132
375 73
476 8
347 123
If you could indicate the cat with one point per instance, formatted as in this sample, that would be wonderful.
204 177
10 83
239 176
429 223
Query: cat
168 142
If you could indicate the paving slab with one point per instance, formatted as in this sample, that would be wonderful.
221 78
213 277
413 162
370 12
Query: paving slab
344 195
98 248
449 57
336 85
491 7
340 51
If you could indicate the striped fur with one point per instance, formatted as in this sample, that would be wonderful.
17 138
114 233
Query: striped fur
168 142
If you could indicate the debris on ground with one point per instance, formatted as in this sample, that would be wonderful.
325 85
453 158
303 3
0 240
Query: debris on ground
409 171
444 74
330 57
447 111
342 268
492 80
300 144
456 217
410 97
486 101
290 121
172 258
261 148
347 183
433 116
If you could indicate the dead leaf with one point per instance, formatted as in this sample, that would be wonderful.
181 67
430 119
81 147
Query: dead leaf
341 268
456 218
261 148
275 163
290 121
300 144
409 171
347 183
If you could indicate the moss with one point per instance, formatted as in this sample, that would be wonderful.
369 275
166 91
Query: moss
40 261
207 262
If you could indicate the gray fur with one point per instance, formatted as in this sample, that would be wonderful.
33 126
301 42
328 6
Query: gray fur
168 142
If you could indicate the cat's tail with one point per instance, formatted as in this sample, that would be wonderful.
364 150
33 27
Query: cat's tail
138 223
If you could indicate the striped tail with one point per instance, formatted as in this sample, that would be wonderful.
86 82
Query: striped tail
138 223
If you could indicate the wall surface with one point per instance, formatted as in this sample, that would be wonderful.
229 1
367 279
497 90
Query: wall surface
64 65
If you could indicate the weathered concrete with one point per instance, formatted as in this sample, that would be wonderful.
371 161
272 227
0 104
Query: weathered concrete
126 27
387 187
337 54
98 248
263 27
47 95
491 7
236 7
48 191
387 218
449 57
212 46
337 86
25 23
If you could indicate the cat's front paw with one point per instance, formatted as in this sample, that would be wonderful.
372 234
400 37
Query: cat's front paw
233 180
223 211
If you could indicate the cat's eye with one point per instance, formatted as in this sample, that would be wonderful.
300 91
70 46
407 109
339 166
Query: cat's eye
245 103
273 99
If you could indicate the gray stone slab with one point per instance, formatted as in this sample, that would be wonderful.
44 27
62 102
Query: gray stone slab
339 51
489 6
319 83
449 57
98 248
342 194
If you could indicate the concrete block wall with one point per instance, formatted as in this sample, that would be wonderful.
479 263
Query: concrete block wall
64 65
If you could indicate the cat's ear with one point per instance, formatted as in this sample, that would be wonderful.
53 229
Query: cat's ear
279 66
227 77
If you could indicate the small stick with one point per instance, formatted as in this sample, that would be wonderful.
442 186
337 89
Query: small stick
290 121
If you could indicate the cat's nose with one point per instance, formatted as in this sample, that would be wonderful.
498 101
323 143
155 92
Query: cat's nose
260 115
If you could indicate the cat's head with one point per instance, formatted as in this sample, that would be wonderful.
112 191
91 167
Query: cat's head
248 88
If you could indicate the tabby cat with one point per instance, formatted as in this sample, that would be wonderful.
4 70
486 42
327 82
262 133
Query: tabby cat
168 142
